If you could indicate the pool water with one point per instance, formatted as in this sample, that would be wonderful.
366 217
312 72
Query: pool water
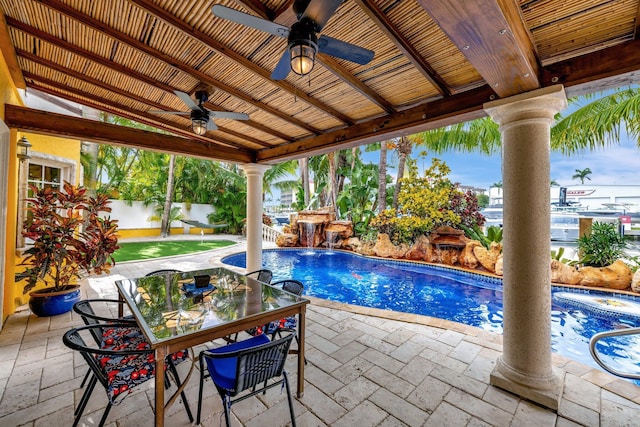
464 297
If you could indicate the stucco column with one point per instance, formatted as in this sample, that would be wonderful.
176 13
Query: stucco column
255 173
525 367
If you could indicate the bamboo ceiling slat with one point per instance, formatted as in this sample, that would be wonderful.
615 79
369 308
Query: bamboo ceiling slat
145 56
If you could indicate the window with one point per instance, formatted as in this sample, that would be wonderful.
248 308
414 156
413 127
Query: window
43 176
43 171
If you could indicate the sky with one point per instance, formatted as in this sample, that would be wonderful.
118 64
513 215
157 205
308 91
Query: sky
618 164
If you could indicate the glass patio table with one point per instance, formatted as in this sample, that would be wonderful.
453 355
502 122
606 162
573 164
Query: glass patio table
175 314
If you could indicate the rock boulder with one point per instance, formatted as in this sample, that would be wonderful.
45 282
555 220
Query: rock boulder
615 276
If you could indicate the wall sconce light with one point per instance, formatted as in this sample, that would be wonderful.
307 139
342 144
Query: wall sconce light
23 149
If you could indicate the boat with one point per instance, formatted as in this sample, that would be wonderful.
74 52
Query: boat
565 226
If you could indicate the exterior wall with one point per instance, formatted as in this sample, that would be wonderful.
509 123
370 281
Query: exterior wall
8 185
133 219
589 196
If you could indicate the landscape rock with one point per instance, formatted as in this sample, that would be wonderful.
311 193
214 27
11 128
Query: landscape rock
635 281
615 276
565 274
385 249
287 240
336 230
488 257
467 259
499 266
421 250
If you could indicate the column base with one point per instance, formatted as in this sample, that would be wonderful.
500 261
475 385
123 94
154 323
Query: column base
549 396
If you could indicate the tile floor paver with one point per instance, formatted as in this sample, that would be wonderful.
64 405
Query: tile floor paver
366 367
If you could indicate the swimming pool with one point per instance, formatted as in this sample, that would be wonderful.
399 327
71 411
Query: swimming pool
464 297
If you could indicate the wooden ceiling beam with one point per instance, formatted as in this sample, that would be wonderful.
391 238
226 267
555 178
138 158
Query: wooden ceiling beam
211 43
493 37
432 115
110 65
160 123
332 65
152 119
44 122
87 20
578 75
9 54
617 66
386 26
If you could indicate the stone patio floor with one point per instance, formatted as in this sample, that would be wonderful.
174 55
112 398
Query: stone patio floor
365 367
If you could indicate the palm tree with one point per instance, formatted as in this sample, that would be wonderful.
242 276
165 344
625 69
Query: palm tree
597 120
404 146
581 174
165 225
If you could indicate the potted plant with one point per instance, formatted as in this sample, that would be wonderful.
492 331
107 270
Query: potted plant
70 237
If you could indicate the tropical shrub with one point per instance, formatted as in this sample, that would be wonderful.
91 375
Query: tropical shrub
428 203
70 235
494 234
602 247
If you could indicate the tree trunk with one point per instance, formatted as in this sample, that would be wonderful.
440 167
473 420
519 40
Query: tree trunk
333 181
382 178
166 212
404 149
304 175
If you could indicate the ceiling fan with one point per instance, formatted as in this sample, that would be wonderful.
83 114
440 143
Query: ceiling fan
201 118
302 37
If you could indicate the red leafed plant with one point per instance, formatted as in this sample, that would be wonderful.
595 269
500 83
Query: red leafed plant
70 235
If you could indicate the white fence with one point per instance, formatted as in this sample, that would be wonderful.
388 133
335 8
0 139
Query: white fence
269 234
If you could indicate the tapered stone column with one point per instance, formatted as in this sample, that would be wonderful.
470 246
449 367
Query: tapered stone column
525 367
255 173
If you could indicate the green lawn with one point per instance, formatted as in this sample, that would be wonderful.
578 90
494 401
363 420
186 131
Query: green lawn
133 251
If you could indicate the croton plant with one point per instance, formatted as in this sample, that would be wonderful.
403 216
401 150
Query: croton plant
69 234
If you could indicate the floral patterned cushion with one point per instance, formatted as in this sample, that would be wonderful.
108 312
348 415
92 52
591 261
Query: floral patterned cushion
127 371
287 323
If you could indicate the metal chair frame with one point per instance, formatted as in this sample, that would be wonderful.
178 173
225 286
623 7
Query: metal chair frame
263 275
74 341
254 367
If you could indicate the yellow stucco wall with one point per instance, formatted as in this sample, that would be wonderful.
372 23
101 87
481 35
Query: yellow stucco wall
60 147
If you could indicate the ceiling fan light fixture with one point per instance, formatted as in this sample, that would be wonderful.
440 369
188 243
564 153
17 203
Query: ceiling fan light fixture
199 121
303 56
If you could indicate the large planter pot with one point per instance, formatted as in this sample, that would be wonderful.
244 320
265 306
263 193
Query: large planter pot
48 302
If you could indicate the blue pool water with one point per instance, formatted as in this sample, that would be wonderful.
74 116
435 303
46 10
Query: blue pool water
444 293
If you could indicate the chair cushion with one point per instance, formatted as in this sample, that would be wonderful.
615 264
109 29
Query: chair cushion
290 322
127 371
223 370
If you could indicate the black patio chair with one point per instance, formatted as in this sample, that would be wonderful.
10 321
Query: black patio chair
121 361
288 324
246 365
263 275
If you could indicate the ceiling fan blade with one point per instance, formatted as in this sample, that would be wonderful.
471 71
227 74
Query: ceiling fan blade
183 113
211 125
186 99
344 50
282 69
319 11
249 20
228 115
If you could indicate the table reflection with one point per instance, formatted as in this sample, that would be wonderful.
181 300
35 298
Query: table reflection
172 305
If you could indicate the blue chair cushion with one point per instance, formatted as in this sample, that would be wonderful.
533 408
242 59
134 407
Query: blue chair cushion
127 371
223 370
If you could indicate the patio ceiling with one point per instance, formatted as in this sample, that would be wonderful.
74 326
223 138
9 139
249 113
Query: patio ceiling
435 63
